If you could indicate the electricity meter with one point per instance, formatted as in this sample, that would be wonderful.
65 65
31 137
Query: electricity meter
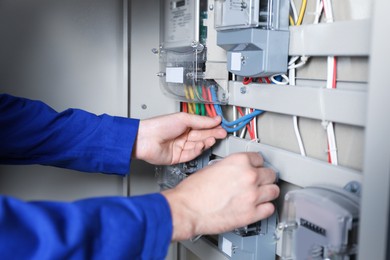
319 223
255 34
185 73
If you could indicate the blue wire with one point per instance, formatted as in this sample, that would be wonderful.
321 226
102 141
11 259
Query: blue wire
237 128
235 125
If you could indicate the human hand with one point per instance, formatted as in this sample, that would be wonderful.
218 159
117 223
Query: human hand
176 138
229 194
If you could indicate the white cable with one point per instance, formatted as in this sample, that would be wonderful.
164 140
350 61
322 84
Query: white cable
243 132
255 127
291 76
332 143
294 11
234 107
318 11
234 118
330 73
293 60
328 11
329 85
303 61
284 81
298 135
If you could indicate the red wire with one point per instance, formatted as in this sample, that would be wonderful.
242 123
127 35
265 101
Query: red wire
208 110
334 83
267 80
204 93
329 157
214 113
247 126
334 80
247 80
207 106
184 107
252 126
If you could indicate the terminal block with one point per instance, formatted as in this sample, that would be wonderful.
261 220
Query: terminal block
169 176
255 241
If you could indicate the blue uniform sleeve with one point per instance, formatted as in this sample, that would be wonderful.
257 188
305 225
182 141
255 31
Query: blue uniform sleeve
33 133
101 228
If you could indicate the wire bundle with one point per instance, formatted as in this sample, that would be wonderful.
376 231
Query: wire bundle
197 93
237 124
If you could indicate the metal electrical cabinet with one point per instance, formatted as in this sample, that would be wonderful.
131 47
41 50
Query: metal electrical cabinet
357 108
117 38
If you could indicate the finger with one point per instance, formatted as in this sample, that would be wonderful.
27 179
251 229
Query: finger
263 211
209 142
201 122
255 159
197 135
191 151
266 176
267 193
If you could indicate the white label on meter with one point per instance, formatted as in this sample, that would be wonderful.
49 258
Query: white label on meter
174 75
235 61
227 247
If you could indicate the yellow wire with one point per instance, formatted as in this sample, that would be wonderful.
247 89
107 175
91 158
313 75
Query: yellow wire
292 21
190 105
186 92
190 96
191 93
302 12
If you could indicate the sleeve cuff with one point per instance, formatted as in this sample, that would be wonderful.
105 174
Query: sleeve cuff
121 136
158 221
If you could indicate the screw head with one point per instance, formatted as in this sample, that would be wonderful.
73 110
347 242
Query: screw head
143 106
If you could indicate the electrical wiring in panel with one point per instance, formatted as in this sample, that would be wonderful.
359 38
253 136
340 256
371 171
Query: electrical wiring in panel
240 60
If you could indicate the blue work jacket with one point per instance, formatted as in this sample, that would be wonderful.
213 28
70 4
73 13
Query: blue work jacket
31 132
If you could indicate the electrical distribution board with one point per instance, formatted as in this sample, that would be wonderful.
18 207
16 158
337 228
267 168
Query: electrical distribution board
242 60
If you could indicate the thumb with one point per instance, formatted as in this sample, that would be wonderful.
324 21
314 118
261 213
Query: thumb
202 122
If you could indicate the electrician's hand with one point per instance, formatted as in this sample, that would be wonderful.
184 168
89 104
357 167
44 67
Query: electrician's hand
229 194
176 138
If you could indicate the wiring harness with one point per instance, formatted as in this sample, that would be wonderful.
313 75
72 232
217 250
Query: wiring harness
237 124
